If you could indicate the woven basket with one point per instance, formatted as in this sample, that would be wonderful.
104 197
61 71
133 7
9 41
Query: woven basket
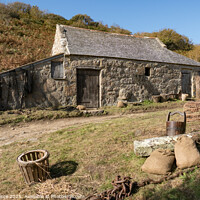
34 166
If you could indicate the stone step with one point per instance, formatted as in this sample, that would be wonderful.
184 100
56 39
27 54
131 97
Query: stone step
145 147
192 104
93 112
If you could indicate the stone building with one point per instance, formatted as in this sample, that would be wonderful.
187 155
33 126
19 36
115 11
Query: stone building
95 69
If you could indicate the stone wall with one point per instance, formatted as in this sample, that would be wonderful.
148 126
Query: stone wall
32 86
124 79
121 78
60 42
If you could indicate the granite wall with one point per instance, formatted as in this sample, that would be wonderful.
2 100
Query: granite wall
32 85
125 79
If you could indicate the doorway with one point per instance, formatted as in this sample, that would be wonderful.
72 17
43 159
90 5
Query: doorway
88 88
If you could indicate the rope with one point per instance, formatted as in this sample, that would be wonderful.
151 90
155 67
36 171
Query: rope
47 172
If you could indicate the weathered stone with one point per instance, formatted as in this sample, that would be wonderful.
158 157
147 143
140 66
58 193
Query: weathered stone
164 97
123 94
156 98
93 112
147 146
184 97
120 80
173 96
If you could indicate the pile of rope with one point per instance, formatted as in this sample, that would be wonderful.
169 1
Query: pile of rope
124 187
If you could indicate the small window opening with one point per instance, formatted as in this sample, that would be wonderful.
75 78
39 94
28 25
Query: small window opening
57 70
147 71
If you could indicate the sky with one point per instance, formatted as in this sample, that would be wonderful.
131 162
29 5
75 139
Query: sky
183 16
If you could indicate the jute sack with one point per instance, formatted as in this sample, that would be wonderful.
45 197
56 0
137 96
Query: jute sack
81 107
120 104
159 162
186 153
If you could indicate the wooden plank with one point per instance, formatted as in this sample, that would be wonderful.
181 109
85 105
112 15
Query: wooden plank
23 158
88 87
37 155
29 156
198 87
186 83
35 173
33 154
26 176
23 174
30 174
40 170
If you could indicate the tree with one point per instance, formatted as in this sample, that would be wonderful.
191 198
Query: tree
18 9
84 19
35 12
118 29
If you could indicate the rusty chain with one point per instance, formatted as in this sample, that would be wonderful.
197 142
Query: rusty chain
124 187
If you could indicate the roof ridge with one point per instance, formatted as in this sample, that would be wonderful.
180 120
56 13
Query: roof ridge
161 43
83 41
104 32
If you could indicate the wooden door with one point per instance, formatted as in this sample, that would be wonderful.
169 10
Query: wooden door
198 87
88 88
186 83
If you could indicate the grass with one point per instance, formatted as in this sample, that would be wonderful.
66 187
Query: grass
32 114
91 156
146 106
27 115
183 188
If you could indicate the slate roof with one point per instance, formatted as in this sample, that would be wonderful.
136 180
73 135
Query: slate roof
97 43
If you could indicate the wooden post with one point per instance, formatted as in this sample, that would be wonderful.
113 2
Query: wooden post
198 87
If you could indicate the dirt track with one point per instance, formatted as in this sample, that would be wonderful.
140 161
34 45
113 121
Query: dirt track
34 130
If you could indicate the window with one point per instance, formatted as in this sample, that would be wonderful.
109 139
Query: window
57 70
147 71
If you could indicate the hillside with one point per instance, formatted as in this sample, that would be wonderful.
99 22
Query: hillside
27 33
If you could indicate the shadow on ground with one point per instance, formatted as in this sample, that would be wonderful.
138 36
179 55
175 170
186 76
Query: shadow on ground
63 169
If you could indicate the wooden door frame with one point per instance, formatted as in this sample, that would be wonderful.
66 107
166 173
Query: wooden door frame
189 72
99 89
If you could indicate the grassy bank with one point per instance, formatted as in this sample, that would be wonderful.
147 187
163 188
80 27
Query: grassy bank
32 114
90 156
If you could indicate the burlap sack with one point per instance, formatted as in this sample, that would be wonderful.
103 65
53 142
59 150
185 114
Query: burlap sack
186 153
120 104
159 162
81 107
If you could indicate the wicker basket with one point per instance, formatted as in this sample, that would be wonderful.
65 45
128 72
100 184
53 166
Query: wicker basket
34 166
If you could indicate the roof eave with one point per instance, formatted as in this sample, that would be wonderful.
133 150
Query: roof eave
34 63
134 59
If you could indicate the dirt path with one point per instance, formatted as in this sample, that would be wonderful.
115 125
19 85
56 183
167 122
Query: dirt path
33 130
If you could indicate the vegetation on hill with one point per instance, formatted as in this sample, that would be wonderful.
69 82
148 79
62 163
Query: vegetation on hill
176 42
194 53
171 39
27 34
